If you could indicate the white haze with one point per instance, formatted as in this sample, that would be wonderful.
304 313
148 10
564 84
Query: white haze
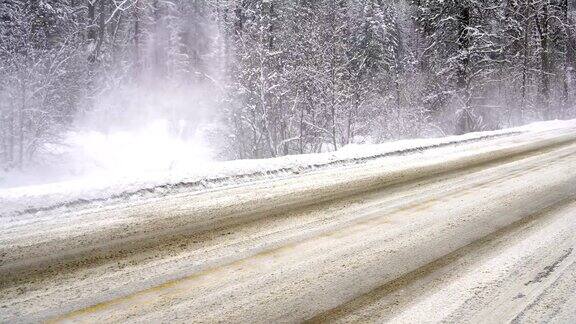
132 132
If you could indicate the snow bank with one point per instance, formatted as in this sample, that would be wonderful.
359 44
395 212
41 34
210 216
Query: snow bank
134 178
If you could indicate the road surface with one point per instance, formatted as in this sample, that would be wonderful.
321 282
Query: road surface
483 232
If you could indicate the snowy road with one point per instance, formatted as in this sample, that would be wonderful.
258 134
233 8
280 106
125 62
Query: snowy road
482 232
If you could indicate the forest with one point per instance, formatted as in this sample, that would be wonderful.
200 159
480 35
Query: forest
275 77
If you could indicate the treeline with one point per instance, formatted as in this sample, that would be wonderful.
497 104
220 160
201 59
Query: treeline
287 77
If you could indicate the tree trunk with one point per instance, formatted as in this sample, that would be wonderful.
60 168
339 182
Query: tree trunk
525 58
464 122
333 81
21 126
101 29
568 53
137 42
543 28
267 46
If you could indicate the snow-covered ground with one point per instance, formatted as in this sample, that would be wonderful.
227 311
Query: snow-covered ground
175 165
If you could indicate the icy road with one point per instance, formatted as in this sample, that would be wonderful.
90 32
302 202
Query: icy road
478 231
